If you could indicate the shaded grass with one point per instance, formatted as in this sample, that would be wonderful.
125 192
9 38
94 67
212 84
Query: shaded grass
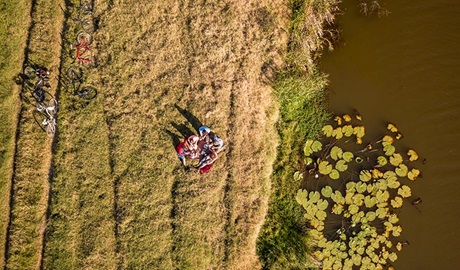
301 90
13 24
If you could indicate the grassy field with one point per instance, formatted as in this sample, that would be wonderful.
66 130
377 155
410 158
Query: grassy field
108 192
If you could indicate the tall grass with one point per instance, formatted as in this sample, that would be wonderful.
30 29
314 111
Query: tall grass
301 91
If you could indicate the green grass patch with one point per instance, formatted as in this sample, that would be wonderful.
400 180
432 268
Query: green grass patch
301 91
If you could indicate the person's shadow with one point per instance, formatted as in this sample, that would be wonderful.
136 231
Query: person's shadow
183 129
192 119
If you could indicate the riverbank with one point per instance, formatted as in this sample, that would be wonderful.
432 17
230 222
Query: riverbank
301 92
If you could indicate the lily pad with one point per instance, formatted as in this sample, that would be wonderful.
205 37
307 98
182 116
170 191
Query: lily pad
396 159
404 191
314 196
371 216
298 176
393 257
351 187
359 131
336 153
392 128
326 191
413 156
381 212
376 173
324 167
321 215
327 130
387 140
393 218
301 196
337 197
346 118
392 182
365 175
308 161
334 174
337 133
382 184
322 204
347 156
389 149
370 201
413 174
337 209
359 160
402 170
397 202
347 130
382 161
341 165
338 119
307 148
361 187
353 209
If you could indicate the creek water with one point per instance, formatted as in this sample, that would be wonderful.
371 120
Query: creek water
404 68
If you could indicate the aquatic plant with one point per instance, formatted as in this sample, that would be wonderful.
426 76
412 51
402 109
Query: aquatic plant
353 194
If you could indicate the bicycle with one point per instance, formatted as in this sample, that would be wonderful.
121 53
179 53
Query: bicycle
44 116
85 16
31 73
75 80
83 53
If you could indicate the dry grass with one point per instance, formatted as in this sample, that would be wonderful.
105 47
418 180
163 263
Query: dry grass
13 24
119 197
32 158
165 68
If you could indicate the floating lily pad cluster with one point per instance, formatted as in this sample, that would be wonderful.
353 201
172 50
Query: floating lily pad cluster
356 192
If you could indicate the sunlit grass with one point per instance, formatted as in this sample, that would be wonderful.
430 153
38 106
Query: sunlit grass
13 28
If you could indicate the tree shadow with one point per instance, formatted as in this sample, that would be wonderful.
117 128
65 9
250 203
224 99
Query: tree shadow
192 119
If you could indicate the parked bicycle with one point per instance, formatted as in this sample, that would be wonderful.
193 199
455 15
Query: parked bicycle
83 53
75 81
44 116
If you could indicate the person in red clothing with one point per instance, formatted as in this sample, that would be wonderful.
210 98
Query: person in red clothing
188 149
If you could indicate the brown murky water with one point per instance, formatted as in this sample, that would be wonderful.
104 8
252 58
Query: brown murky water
405 68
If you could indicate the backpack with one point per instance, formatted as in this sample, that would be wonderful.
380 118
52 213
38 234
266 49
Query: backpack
206 168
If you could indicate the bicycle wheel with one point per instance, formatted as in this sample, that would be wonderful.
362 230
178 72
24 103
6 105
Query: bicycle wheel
74 73
85 13
29 71
87 93
83 37
87 25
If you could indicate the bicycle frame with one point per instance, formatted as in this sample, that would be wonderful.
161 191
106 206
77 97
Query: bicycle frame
82 48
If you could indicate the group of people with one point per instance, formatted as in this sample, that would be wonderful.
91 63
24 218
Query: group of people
203 148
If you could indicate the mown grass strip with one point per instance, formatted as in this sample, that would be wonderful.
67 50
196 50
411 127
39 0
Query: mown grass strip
14 22
30 183
283 242
81 232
